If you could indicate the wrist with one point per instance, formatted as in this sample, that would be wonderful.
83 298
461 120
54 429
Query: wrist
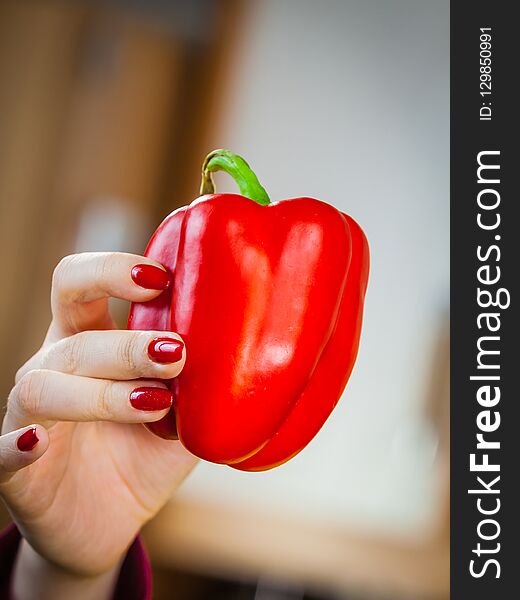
36 578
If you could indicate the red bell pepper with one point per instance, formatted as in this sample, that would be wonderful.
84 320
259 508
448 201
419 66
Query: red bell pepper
269 301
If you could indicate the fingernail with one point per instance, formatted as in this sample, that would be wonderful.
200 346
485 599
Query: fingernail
151 398
165 350
28 440
150 277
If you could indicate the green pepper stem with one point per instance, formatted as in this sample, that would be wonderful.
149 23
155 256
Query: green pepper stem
236 166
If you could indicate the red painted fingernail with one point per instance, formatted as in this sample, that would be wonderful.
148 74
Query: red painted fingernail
150 277
165 350
28 440
151 398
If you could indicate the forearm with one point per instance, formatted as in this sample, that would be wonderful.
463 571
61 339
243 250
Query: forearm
34 578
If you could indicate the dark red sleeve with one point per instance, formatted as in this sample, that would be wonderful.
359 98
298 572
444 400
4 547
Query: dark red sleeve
135 579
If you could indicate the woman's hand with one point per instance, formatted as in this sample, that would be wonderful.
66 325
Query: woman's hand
78 471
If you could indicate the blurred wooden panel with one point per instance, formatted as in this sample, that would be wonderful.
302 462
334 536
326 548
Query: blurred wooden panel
39 44
206 78
122 111
438 412
239 543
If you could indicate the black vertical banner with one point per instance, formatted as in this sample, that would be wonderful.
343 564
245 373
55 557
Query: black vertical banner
485 269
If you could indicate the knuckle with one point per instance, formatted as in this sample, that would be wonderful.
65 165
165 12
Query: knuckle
65 355
20 373
104 267
63 280
72 350
48 358
127 353
62 269
105 400
28 392
37 361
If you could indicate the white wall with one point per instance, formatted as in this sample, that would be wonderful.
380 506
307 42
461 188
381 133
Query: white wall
348 101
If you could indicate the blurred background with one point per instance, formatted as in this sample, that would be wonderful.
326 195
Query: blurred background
107 110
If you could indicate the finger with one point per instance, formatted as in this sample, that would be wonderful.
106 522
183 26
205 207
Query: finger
82 284
116 354
43 396
20 448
